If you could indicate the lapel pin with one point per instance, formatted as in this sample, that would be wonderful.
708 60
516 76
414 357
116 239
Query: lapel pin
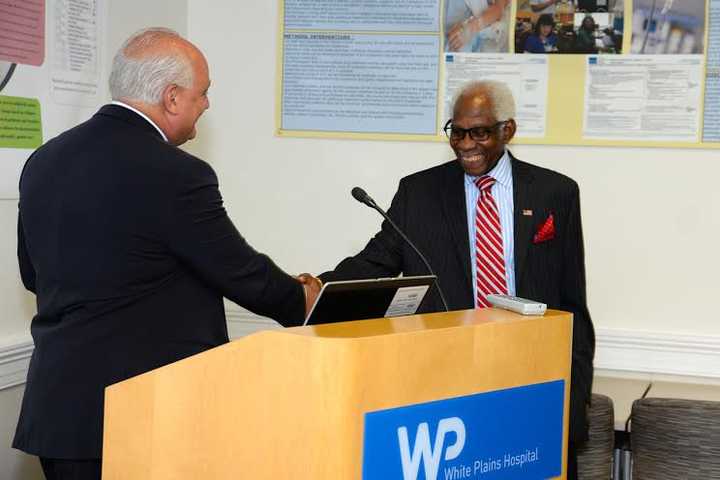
527 213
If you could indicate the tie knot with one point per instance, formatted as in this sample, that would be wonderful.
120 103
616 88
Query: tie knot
485 183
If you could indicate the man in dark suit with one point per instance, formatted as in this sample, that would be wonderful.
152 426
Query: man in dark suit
531 247
124 239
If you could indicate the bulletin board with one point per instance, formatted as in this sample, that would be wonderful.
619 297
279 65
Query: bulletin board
51 66
635 73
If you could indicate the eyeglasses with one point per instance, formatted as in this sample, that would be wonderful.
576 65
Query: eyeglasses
479 134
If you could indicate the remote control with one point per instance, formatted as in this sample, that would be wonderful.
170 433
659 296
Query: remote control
522 306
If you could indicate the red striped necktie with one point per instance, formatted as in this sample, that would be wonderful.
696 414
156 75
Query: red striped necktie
489 257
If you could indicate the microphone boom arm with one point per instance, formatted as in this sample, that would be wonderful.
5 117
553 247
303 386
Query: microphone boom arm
360 195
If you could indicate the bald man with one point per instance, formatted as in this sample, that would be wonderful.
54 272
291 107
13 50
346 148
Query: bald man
124 240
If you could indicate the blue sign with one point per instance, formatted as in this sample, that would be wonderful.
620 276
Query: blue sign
506 434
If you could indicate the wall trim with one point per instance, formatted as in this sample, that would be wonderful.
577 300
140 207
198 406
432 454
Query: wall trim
658 352
15 355
243 322
692 357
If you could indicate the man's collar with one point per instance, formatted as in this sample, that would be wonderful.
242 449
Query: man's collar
501 172
125 105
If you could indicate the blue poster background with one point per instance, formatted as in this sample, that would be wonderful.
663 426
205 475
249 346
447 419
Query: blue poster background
508 434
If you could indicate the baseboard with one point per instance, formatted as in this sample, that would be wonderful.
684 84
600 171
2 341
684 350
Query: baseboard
618 351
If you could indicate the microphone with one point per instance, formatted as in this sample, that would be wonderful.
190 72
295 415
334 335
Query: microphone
361 196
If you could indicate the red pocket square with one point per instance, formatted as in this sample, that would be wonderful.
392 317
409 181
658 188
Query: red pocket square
546 231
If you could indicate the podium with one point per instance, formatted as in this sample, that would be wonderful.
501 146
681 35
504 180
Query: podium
303 402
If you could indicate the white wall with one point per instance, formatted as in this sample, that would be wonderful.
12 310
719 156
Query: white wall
650 215
17 306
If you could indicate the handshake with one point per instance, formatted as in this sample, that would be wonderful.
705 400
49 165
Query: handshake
311 287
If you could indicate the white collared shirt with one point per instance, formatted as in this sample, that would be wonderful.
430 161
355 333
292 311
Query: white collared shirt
125 105
502 192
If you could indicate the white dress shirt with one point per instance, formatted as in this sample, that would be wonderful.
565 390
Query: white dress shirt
502 192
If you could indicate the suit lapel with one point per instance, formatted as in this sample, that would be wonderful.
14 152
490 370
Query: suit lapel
523 223
456 215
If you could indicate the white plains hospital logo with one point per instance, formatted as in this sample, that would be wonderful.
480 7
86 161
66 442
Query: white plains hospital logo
430 454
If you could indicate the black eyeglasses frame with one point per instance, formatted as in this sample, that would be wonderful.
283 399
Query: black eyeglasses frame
478 134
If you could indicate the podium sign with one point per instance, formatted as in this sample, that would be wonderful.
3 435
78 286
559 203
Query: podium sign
516 433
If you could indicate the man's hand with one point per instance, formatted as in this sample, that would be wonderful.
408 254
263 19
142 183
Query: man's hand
456 37
311 287
462 32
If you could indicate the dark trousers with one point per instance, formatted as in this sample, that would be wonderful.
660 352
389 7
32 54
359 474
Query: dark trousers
572 471
59 469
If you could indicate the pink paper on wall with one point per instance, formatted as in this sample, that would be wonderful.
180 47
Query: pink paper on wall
22 23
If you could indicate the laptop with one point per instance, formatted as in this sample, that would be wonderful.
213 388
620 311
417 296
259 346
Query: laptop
375 298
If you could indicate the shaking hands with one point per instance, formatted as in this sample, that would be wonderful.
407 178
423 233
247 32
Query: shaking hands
311 287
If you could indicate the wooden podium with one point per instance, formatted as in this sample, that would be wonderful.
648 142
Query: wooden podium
290 403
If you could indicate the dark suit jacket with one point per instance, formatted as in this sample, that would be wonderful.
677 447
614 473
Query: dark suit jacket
125 241
429 207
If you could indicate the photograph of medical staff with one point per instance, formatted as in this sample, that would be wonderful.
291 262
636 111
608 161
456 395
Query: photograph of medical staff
477 26
668 27
569 26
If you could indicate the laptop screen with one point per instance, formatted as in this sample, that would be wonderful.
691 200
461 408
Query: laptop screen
363 299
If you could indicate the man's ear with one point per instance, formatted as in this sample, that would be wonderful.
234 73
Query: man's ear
170 98
508 130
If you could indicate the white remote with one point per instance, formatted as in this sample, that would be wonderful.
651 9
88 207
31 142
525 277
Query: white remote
522 306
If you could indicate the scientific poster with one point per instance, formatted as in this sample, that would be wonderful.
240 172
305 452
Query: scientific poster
584 72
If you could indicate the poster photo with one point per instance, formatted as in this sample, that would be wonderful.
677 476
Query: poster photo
667 27
476 26
569 26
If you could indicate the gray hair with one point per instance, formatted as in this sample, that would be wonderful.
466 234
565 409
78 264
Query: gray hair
142 76
500 95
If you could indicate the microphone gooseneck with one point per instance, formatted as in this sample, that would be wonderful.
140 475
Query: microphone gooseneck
361 196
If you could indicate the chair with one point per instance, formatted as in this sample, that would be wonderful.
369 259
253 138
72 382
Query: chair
595 455
675 439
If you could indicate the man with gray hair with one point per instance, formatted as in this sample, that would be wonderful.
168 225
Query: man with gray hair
124 240
489 223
